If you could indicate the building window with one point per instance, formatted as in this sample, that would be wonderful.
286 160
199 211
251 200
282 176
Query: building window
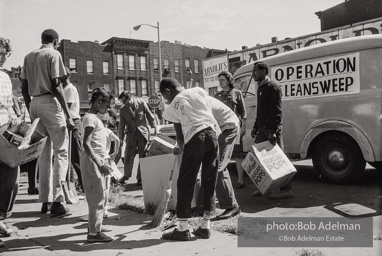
156 87
166 64
131 62
106 86
187 63
73 65
144 87
196 66
177 66
89 67
156 64
119 61
143 63
90 87
197 84
188 84
106 68
133 87
121 85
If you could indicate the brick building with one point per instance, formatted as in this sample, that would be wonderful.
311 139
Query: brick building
120 64
349 12
91 67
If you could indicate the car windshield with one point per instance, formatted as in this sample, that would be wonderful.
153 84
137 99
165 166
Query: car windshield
246 84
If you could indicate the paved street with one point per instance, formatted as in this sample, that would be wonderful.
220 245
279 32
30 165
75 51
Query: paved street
37 234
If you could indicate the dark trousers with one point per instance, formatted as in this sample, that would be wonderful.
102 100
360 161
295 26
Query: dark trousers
135 143
9 185
30 168
262 136
203 150
76 149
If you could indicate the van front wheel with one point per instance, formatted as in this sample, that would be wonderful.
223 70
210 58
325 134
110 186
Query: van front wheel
338 159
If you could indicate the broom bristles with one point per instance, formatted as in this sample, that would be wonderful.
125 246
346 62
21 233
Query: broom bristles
161 209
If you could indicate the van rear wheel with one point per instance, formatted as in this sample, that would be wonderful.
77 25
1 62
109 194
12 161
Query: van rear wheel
338 159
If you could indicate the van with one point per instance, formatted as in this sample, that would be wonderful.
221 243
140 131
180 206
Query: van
331 105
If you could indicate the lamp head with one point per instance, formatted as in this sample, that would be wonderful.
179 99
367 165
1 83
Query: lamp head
136 27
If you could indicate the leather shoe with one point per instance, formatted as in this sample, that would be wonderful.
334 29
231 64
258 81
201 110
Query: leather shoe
202 232
240 185
177 235
256 194
32 191
123 179
58 209
46 207
228 213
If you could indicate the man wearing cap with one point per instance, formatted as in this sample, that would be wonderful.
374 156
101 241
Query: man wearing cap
268 125
73 100
42 74
133 119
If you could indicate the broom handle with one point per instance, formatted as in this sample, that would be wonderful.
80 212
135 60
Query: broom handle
69 155
173 167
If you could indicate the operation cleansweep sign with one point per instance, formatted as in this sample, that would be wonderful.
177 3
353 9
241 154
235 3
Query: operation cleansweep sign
330 76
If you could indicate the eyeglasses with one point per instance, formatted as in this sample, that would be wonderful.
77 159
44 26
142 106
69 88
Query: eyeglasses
6 54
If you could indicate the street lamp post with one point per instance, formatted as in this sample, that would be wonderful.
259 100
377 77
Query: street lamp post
159 48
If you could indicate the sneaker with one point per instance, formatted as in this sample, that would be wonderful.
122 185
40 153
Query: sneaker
228 213
177 235
58 209
46 207
282 194
99 238
4 231
202 232
33 191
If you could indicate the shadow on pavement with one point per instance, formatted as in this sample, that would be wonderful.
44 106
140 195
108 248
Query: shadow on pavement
310 191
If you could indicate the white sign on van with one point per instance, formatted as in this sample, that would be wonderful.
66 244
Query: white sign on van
211 68
333 76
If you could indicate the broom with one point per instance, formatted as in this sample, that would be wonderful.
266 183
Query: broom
162 207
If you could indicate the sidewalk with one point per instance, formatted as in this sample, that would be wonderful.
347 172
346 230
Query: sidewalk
39 234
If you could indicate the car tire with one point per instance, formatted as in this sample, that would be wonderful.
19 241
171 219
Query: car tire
338 159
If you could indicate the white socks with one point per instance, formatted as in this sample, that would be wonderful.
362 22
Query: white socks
183 224
206 221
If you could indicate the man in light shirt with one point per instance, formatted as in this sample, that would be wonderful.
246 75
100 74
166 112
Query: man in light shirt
73 101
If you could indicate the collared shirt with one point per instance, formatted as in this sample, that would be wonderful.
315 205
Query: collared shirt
191 109
41 66
71 96
234 100
5 97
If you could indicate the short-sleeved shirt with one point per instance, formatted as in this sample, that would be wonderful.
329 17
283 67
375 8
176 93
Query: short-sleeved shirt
41 66
98 136
191 109
225 117
5 97
71 96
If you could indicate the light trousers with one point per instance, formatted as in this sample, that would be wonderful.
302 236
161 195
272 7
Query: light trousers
53 125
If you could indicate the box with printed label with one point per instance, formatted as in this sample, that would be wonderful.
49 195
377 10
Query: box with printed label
11 155
268 167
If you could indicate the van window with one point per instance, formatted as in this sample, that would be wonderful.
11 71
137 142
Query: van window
243 84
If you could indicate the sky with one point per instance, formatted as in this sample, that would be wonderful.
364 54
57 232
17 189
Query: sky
218 24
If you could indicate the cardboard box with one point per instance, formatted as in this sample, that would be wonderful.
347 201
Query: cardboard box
11 155
268 167
160 147
155 178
